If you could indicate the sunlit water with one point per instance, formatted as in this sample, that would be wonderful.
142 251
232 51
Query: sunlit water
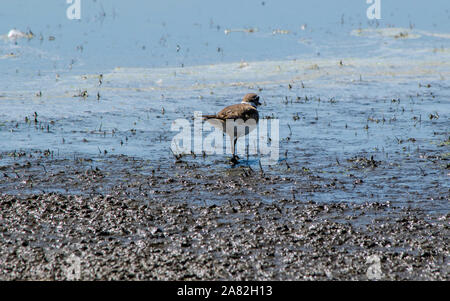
341 85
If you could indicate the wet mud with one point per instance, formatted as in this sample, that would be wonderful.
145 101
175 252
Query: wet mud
122 218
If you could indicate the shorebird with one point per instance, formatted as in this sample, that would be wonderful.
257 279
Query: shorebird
244 111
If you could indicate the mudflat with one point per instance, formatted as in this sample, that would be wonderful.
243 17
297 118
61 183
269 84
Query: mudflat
122 218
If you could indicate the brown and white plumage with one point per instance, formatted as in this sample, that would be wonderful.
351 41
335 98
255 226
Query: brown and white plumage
245 110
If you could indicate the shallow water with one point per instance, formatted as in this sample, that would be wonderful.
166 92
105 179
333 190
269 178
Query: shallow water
358 88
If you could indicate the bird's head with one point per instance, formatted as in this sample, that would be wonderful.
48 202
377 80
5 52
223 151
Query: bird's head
251 99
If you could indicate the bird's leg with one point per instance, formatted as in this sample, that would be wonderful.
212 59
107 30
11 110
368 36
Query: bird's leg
235 158
234 149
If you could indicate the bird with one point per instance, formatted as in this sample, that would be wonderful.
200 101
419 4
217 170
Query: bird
245 110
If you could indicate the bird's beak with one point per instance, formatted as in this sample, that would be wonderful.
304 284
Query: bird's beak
257 102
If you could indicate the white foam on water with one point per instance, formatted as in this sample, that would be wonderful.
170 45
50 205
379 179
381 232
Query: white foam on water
320 73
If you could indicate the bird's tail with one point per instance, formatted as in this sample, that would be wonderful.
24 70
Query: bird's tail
209 116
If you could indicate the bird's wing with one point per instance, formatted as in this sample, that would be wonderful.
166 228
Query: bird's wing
238 111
